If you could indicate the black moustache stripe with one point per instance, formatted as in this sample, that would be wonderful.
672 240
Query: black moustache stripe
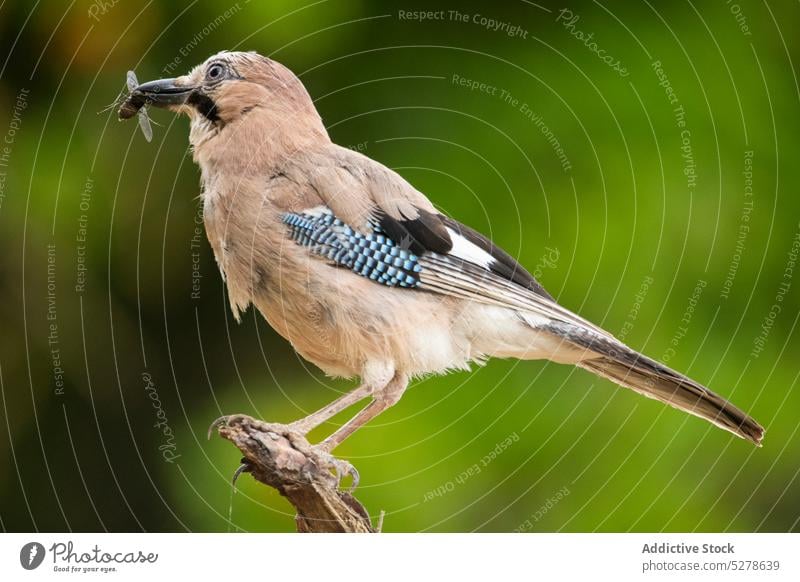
204 104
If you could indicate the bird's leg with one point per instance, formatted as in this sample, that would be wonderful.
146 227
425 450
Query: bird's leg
313 420
382 399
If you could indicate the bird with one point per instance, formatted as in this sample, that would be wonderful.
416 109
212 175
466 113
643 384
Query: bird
359 270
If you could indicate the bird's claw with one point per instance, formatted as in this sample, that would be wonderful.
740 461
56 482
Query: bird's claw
341 468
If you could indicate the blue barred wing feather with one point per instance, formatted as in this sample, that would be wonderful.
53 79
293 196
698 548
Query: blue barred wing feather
373 255
429 253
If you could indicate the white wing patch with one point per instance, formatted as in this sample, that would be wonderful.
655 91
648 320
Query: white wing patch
469 251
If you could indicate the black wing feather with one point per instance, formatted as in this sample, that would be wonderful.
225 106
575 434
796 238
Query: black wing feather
504 264
425 233
428 233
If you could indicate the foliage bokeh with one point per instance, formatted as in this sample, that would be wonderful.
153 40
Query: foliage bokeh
654 241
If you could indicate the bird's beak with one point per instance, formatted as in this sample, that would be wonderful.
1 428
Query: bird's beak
163 93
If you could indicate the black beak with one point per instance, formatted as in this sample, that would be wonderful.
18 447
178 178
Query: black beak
161 93
164 92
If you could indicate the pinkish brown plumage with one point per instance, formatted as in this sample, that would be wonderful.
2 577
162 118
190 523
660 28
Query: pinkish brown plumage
358 270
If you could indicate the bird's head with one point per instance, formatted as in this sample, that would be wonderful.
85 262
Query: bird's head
239 96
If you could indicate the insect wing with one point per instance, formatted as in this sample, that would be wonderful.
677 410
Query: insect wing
133 82
144 123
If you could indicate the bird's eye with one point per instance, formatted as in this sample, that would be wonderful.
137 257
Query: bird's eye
215 72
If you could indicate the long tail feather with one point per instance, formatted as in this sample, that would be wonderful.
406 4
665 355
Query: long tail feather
628 368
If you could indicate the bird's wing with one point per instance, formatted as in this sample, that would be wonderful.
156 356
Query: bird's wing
375 223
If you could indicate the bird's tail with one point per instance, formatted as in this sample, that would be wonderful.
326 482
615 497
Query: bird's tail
644 375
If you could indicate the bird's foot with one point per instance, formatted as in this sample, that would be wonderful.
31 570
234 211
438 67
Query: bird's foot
319 454
298 448
340 468
301 426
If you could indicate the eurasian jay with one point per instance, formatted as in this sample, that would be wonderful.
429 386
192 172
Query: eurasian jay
358 269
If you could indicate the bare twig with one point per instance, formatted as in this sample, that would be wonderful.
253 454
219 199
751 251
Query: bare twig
282 458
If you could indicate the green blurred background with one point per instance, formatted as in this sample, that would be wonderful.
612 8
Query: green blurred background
679 239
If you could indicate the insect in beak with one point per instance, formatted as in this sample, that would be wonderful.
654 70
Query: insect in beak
135 104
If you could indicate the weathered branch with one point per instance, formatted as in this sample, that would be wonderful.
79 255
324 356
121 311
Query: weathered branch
282 458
